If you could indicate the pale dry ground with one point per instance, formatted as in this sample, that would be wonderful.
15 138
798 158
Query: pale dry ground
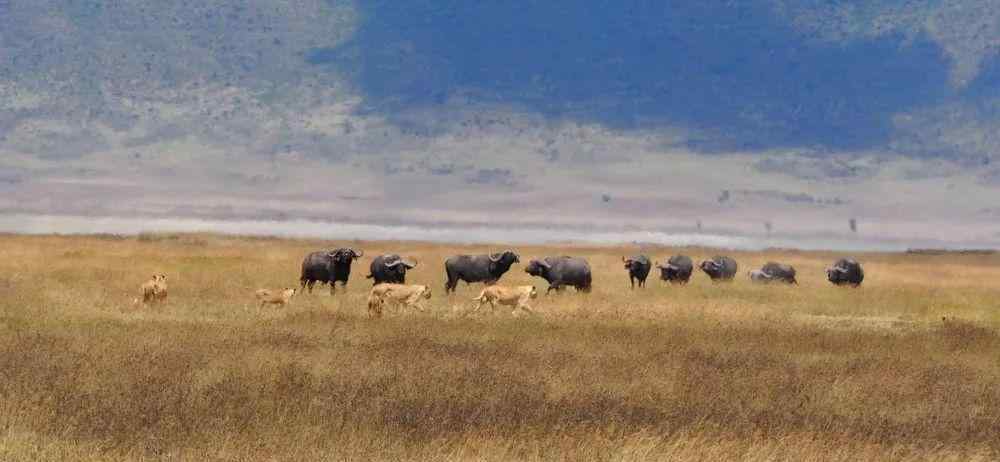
703 372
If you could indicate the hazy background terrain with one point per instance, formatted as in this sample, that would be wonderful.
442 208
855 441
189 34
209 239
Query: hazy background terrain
590 115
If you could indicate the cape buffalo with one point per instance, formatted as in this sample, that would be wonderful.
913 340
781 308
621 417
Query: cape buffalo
562 271
638 269
328 267
846 271
478 268
772 271
389 269
678 269
720 268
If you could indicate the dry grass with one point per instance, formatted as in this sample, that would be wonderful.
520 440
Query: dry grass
703 372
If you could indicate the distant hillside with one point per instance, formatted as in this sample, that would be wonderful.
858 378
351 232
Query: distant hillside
916 77
630 112
80 76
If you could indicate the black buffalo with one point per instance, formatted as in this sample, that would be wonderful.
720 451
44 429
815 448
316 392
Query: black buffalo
720 268
772 271
478 268
562 271
677 270
638 269
328 267
390 269
846 271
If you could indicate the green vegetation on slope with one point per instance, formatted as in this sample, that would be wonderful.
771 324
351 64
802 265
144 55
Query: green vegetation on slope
79 77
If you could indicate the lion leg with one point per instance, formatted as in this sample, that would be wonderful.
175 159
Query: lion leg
526 307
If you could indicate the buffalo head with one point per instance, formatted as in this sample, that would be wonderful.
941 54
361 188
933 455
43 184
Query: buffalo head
537 267
669 266
506 258
395 263
635 263
345 255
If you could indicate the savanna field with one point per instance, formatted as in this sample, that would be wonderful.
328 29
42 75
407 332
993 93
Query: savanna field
729 371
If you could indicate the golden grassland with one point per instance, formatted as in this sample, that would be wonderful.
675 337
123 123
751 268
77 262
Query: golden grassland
703 372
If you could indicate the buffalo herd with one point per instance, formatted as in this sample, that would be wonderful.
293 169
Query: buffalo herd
331 267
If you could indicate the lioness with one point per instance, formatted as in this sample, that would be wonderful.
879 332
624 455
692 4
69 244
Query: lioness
398 294
270 297
154 290
511 296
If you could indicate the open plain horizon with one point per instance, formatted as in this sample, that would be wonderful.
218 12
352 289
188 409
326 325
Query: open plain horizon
902 368
487 233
